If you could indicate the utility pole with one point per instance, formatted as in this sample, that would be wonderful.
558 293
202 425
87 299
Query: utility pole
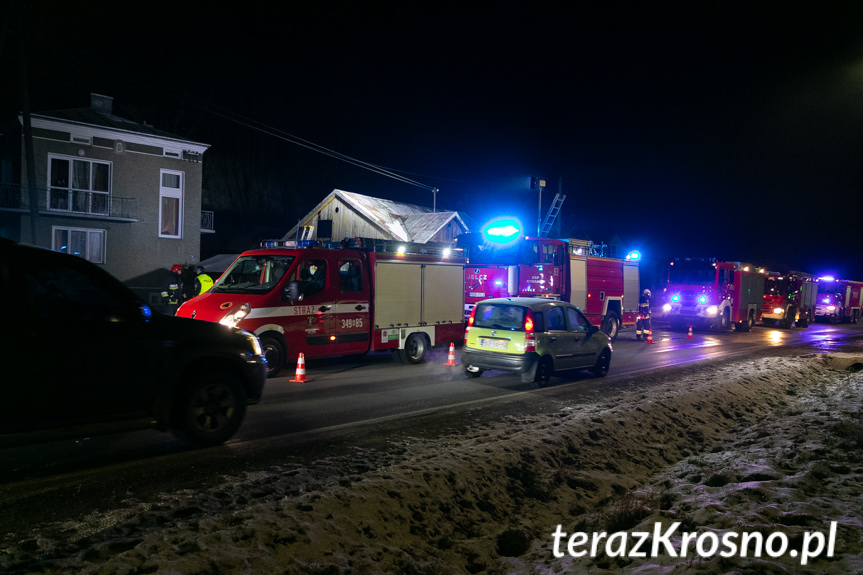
538 184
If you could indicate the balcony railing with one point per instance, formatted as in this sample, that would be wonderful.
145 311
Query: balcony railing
72 202
207 224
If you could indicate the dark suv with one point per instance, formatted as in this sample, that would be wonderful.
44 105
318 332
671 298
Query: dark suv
81 354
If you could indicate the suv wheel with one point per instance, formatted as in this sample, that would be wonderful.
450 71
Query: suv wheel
209 411
275 354
603 362
544 371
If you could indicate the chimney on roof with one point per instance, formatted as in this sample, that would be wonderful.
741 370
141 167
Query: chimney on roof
100 103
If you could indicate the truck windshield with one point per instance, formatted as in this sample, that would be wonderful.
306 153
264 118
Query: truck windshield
253 274
698 272
524 252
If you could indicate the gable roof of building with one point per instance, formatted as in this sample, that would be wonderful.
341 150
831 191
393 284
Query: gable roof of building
398 221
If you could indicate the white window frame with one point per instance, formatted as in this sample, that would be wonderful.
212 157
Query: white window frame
171 193
96 243
79 199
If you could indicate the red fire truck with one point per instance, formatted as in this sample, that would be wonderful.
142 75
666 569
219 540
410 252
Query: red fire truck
789 298
839 300
606 289
706 292
298 297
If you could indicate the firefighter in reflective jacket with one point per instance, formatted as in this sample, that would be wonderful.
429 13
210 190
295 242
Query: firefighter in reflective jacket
642 322
172 289
203 281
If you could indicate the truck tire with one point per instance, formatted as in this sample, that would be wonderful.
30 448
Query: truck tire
275 354
209 411
748 324
415 348
803 322
611 325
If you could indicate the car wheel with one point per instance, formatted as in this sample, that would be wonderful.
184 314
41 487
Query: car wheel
415 348
611 325
209 411
544 371
603 362
275 354
472 371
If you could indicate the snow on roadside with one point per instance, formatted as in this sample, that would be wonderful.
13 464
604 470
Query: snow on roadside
762 445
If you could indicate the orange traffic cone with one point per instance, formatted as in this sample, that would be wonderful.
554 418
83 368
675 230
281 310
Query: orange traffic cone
650 336
450 360
690 333
300 375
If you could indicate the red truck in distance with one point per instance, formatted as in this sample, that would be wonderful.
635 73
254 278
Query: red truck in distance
789 299
715 294
839 301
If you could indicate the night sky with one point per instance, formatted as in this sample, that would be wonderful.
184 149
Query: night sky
713 129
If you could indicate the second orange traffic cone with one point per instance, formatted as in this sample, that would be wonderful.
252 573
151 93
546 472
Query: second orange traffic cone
300 375
650 336
450 360
690 333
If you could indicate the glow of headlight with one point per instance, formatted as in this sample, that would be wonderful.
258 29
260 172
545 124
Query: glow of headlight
712 310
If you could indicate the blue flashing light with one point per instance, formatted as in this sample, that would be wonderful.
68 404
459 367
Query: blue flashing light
502 231
827 278
675 297
702 299
633 256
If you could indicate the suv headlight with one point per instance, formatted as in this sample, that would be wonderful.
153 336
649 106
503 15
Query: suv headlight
233 317
253 341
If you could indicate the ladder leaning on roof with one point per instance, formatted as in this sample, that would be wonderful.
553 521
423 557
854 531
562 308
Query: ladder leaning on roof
553 210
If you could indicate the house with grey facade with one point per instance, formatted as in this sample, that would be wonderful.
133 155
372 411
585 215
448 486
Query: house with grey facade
122 194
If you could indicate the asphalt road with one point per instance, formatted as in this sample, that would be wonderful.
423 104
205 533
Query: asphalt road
347 405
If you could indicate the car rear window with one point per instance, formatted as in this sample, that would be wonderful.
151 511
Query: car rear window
500 316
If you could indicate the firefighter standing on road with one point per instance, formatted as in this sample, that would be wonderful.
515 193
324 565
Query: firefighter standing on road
172 289
203 281
642 323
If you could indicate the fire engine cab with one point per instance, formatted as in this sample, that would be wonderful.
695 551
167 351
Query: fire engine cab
348 298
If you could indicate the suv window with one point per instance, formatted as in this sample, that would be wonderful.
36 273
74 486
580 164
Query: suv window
555 320
500 316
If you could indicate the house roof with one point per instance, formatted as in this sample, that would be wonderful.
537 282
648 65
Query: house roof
99 116
399 221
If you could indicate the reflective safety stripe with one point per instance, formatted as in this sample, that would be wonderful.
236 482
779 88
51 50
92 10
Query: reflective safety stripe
303 310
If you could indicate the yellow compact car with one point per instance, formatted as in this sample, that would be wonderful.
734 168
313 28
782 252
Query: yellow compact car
534 337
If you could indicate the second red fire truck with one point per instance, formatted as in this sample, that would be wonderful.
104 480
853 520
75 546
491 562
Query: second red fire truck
789 299
606 289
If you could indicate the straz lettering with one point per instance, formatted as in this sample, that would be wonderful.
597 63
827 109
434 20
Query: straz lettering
304 309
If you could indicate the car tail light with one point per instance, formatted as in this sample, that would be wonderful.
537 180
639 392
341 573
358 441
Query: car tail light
469 321
530 336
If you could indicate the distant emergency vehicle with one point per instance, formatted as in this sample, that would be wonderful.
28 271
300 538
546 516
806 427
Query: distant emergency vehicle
839 300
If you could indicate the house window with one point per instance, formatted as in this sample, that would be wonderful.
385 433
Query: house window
88 243
79 186
171 204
